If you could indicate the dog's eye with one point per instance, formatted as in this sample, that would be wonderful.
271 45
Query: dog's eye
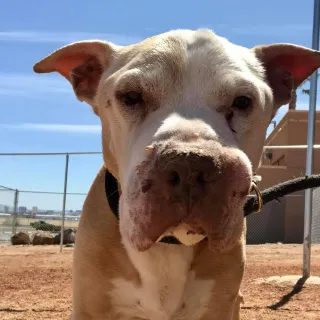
242 103
132 98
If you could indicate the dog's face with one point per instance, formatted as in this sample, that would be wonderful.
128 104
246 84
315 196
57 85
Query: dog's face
184 116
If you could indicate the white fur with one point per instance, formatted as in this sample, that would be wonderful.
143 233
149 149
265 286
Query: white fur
166 282
195 109
168 289
200 96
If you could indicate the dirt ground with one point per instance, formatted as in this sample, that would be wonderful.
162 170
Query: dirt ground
35 283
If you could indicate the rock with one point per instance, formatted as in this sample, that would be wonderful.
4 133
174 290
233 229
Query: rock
56 239
42 239
20 238
69 236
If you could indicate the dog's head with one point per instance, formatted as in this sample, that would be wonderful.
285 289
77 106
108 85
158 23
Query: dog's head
184 116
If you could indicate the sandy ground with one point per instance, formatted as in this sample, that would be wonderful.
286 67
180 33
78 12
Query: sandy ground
35 283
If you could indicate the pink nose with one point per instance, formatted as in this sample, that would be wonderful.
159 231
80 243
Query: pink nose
186 176
190 175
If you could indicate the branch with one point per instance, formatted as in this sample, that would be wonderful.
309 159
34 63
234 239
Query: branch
281 190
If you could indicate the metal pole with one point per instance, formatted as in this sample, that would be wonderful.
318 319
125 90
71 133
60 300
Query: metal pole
64 201
309 160
15 212
301 146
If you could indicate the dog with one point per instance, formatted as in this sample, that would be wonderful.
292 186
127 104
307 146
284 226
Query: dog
184 116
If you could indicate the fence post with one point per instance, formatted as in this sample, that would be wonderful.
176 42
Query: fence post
309 160
64 201
15 212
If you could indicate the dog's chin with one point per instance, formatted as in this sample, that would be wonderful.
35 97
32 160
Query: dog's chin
145 221
184 234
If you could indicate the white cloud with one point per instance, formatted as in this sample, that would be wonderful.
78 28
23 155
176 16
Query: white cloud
33 85
62 128
273 30
65 37
15 84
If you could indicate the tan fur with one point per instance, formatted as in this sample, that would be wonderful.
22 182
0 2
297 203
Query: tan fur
99 257
189 80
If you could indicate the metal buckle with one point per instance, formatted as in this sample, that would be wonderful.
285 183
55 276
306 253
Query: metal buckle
259 196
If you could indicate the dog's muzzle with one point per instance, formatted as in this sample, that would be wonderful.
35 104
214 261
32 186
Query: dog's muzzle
197 190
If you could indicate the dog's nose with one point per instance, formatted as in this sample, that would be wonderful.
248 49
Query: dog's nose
186 176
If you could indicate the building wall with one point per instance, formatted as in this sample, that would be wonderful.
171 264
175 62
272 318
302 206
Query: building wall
291 130
272 175
267 226
315 233
285 221
294 219
280 137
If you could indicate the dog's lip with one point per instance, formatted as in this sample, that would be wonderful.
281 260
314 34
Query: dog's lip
185 229
148 234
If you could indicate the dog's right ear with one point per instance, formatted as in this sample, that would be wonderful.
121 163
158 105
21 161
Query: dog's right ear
82 64
287 66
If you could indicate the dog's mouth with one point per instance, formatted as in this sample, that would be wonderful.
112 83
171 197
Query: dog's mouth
189 235
183 234
216 218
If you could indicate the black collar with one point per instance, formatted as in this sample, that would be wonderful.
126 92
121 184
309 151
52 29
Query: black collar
112 195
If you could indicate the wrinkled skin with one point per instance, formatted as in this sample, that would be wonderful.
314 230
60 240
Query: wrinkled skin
212 208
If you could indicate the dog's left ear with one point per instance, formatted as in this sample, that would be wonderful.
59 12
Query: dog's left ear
82 64
287 66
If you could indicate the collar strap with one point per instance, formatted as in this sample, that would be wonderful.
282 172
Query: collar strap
112 195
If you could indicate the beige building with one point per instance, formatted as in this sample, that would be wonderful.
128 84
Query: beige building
284 164
284 221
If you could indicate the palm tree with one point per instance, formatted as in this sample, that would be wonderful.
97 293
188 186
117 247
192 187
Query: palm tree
305 91
293 102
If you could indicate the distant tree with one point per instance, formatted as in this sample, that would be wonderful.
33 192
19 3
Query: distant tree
44 226
293 102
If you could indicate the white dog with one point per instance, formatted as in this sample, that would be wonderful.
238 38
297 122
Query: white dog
184 116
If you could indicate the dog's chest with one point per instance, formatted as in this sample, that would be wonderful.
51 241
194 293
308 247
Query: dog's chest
168 289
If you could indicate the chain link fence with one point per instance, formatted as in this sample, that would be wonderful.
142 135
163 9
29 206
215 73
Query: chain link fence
283 221
8 209
40 225
280 221
315 233
34 214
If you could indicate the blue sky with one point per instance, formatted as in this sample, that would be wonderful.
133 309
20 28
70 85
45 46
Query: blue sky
39 113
